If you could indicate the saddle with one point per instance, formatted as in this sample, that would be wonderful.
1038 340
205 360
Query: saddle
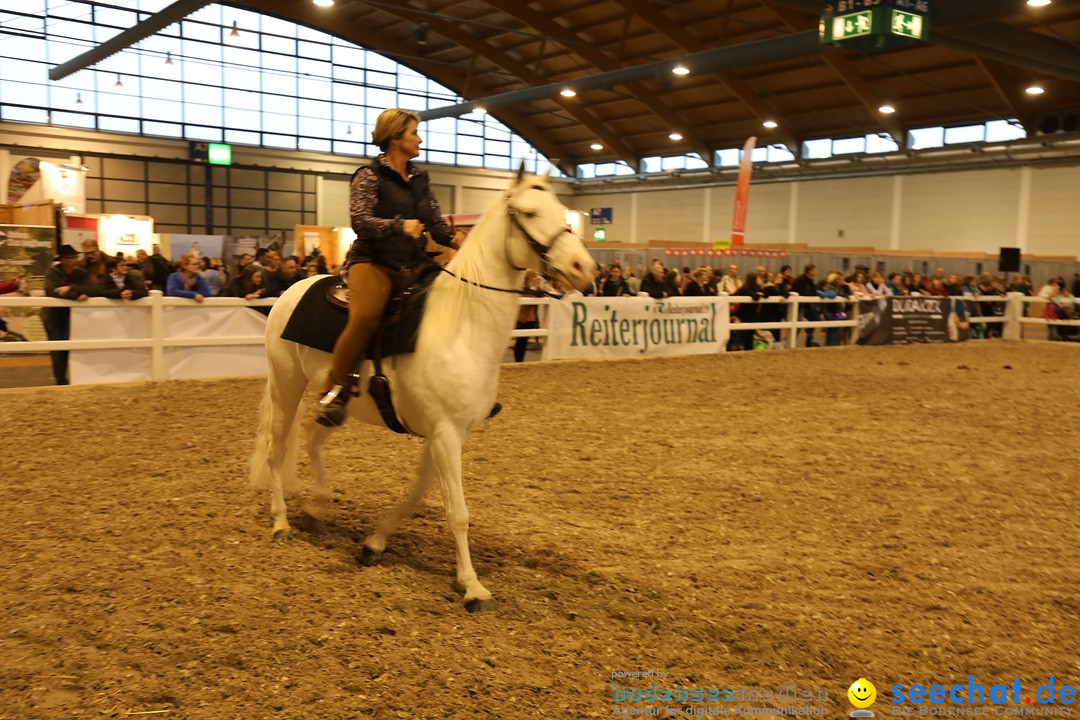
321 315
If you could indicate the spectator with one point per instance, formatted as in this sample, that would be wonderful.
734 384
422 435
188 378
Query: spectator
632 281
730 283
876 287
284 277
186 281
806 286
671 283
785 273
92 261
260 253
653 282
270 262
746 312
248 284
827 291
953 286
989 309
311 268
699 284
1075 284
155 269
774 287
211 275
858 284
527 318
937 288
66 280
596 287
896 284
119 283
12 285
615 286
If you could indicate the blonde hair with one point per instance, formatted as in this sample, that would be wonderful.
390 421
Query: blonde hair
184 260
391 125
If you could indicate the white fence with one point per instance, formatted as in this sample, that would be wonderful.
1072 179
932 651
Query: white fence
163 337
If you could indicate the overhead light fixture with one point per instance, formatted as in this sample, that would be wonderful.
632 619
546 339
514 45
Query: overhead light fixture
119 82
770 124
1034 90
1038 3
235 30
78 99
348 129
480 110
675 136
680 69
887 109
420 33
323 3
568 92
597 146
168 58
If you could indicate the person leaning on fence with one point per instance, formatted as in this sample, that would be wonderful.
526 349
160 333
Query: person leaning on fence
806 286
653 282
745 312
774 311
119 283
699 284
93 261
527 319
65 280
186 282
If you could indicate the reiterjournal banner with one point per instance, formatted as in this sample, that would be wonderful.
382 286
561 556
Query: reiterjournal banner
585 327
903 320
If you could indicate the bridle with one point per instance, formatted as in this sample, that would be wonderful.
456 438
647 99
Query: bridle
542 251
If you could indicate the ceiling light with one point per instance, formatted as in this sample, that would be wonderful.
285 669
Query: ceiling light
348 129
78 99
887 109
119 82
1034 90
323 3
1038 3
675 136
168 58
235 31
680 69
479 110
420 33
597 146
568 92
769 124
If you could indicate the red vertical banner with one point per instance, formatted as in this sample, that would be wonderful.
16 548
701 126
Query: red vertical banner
742 193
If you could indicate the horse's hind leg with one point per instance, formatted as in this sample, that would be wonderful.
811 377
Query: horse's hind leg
276 446
317 436
376 542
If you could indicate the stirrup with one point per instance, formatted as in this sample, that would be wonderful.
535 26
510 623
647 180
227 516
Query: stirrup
332 409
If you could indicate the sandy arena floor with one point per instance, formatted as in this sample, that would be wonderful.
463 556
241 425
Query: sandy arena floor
759 520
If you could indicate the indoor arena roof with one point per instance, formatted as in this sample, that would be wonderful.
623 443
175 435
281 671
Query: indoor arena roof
764 59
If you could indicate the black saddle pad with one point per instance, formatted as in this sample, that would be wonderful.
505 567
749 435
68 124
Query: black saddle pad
317 323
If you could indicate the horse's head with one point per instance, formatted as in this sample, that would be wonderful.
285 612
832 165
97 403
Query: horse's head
539 219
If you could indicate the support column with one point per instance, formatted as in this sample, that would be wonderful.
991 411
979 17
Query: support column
897 211
1023 209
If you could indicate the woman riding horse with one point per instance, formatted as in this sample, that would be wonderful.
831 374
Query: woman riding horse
391 205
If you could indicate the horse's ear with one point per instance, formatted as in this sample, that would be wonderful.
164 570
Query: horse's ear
521 173
547 174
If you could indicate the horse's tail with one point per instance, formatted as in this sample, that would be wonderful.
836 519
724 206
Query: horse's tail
277 442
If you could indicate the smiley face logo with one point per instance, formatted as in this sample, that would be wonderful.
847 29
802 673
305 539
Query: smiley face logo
862 693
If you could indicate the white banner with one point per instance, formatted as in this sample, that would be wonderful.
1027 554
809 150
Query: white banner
585 327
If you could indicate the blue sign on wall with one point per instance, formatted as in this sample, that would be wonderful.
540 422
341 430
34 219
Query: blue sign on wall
600 216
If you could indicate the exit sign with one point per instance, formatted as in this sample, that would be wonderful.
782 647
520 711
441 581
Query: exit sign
212 153
868 25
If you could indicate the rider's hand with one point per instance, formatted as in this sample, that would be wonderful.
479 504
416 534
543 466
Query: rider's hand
412 228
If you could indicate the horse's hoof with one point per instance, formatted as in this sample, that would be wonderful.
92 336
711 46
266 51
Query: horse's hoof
369 557
282 536
477 605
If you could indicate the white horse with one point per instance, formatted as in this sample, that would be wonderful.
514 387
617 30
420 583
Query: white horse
443 389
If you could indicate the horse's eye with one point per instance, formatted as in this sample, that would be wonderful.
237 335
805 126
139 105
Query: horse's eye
529 214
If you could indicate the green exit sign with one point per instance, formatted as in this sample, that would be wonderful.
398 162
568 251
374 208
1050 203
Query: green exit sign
907 25
853 25
218 154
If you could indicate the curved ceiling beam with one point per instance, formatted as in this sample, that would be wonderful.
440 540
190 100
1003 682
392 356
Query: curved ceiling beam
1006 88
739 87
573 43
336 24
455 34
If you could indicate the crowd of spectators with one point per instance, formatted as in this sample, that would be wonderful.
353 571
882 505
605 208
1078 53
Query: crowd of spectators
660 282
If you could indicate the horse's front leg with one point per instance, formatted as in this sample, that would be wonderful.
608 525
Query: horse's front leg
376 542
445 448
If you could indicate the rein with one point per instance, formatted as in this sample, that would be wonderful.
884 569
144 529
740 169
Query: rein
524 291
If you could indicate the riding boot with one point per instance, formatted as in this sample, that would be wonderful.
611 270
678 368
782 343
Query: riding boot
332 407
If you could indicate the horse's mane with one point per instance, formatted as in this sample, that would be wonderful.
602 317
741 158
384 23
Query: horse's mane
472 262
